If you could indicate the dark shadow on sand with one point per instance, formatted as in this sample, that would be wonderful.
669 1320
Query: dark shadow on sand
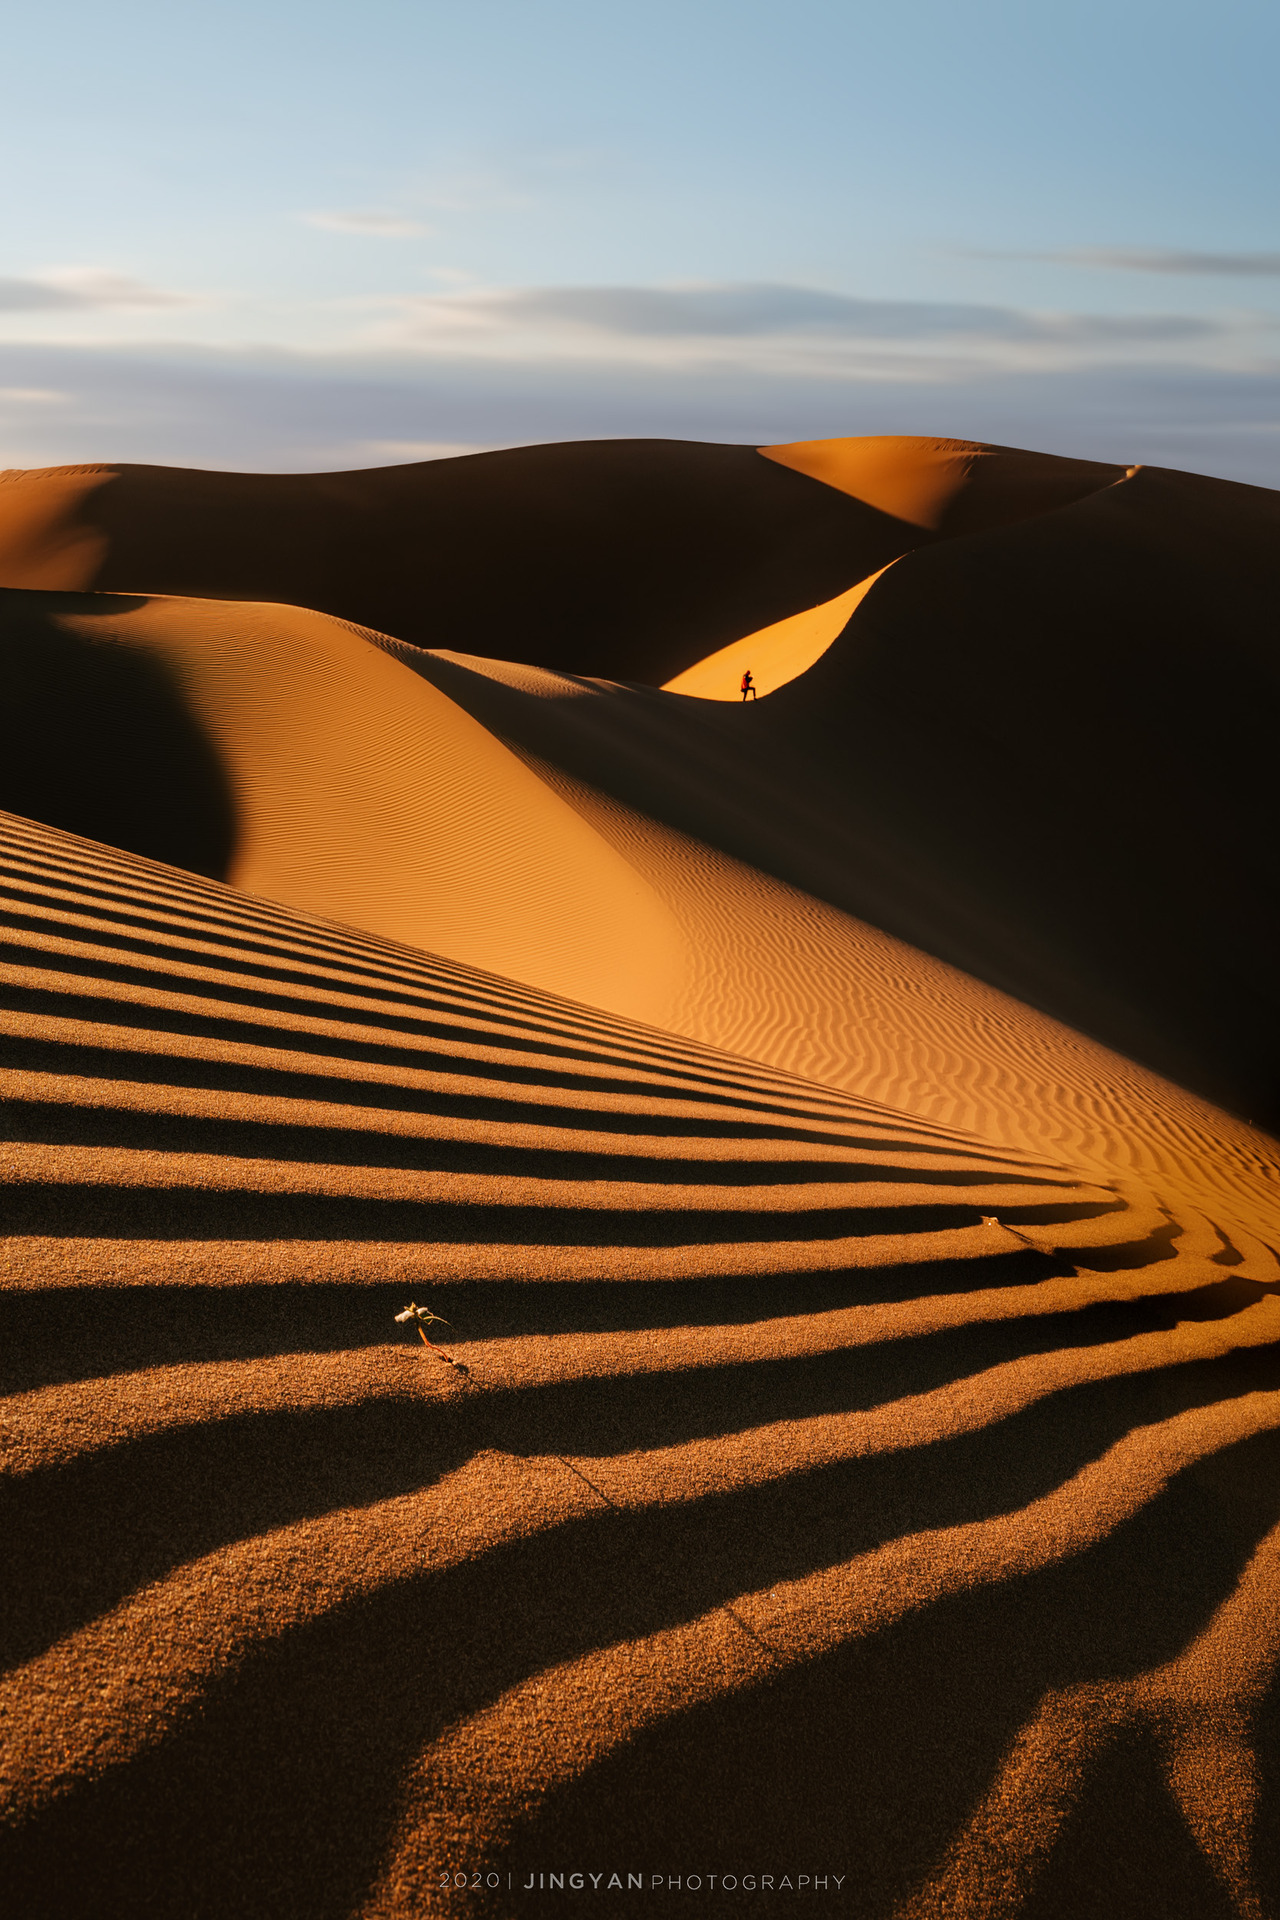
97 737
299 1752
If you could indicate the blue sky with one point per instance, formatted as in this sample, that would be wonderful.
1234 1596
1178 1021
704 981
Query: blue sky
285 235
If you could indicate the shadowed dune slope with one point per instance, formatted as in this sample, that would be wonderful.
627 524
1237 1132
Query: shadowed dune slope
1039 751
1067 730
1042 753
629 558
782 1501
371 784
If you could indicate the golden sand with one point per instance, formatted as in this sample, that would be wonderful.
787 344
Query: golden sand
852 1449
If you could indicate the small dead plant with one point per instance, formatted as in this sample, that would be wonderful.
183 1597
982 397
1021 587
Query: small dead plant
422 1318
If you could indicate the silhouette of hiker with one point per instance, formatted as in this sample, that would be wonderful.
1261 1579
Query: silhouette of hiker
748 685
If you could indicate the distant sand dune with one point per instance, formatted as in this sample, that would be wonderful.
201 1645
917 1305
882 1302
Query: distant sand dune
633 558
946 486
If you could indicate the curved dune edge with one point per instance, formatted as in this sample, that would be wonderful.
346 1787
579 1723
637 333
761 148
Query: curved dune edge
44 539
943 487
678 548
776 654
946 487
361 793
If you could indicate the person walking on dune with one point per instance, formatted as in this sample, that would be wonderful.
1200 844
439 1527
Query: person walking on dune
748 686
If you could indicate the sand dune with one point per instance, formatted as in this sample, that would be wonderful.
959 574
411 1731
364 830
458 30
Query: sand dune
852 1445
1040 753
775 654
750 1378
918 775
330 775
947 486
369 783
631 558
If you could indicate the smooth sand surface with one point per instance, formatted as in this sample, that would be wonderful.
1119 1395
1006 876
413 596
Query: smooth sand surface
852 1449
946 486
334 777
776 654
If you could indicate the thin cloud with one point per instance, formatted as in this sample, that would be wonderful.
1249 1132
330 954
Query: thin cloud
369 222
765 312
1168 260
64 288
276 412
33 296
736 312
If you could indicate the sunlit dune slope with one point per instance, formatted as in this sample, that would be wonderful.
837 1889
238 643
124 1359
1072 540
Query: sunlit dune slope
943 487
628 558
768 1413
1042 753
775 654
370 783
297 757
948 487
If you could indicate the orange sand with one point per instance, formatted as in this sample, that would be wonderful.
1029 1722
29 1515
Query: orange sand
853 1449
775 654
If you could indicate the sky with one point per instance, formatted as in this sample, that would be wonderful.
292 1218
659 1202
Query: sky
284 236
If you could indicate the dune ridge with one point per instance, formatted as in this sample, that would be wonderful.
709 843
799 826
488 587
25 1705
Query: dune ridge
636 557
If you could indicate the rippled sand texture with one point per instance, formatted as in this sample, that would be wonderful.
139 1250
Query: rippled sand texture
853 1447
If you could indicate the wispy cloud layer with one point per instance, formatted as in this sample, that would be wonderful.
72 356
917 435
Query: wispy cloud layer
1168 260
293 412
83 287
758 311
761 328
771 328
32 397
